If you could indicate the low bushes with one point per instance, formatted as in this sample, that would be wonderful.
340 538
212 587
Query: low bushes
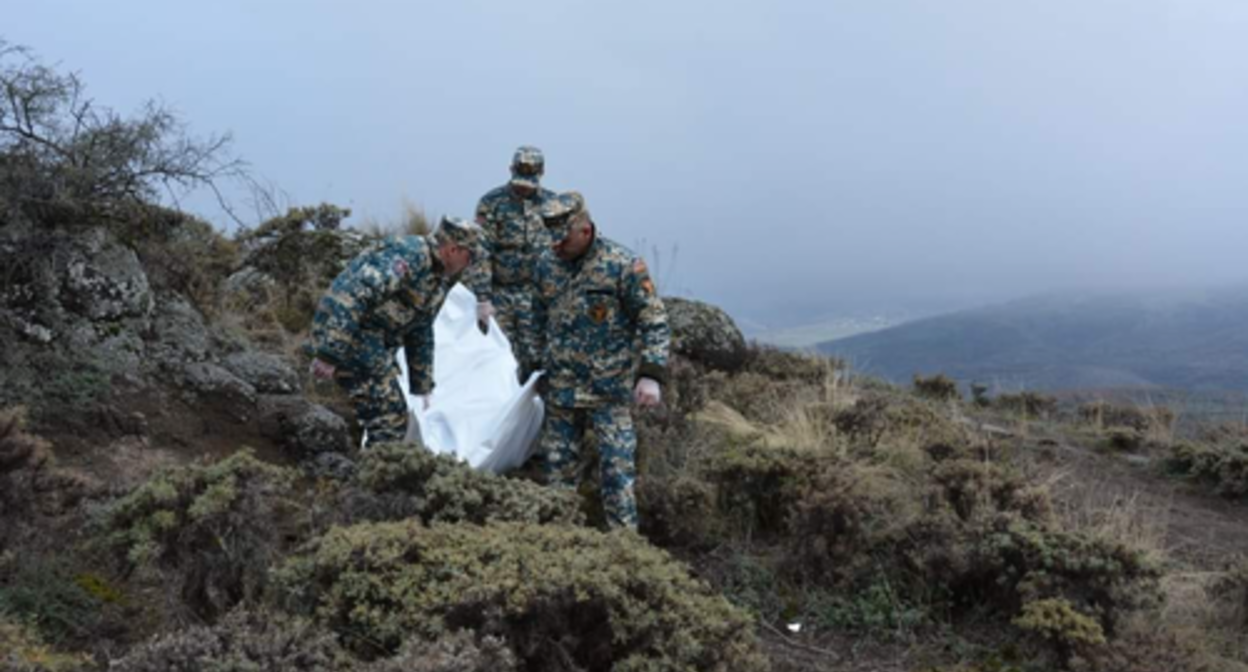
938 387
1222 467
241 641
23 650
1033 405
397 481
562 598
1141 419
215 527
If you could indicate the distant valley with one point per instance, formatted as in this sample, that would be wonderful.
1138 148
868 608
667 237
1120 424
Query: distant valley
811 335
1189 340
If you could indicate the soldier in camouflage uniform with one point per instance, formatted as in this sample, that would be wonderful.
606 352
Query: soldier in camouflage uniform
605 345
514 237
388 297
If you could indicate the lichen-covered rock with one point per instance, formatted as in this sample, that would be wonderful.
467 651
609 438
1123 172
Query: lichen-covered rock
705 334
103 279
217 386
268 373
179 335
318 430
248 287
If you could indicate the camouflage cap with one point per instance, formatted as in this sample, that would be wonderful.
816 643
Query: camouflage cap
527 166
559 212
462 232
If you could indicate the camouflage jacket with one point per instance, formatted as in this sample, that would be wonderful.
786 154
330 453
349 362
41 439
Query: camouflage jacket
602 323
514 237
386 297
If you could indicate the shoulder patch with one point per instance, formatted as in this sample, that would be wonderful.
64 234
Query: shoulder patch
639 265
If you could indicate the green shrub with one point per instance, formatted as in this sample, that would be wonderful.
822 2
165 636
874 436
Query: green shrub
1223 467
938 387
397 481
845 517
967 537
45 594
458 652
678 511
1056 621
242 641
183 254
23 650
789 366
1016 561
1026 404
217 526
1125 440
866 421
559 596
303 251
876 608
757 486
1140 419
974 488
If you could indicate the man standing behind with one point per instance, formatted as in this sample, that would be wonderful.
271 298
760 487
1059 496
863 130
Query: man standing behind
387 298
514 237
606 346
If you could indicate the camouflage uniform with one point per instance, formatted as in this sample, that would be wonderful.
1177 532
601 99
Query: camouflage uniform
604 327
514 238
387 297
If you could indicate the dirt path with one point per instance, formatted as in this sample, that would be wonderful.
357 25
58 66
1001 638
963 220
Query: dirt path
1129 494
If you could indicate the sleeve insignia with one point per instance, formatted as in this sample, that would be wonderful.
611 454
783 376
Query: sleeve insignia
639 266
598 313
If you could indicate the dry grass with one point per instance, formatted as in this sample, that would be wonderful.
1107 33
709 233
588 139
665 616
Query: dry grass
1105 510
790 417
412 221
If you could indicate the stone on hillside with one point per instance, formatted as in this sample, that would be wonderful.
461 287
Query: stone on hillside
318 430
179 335
304 428
103 279
217 387
704 333
248 287
268 373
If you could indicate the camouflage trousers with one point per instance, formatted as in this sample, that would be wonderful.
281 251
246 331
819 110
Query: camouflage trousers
563 435
380 407
513 310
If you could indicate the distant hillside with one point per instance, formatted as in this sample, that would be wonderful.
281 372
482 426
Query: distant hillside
1187 340
811 335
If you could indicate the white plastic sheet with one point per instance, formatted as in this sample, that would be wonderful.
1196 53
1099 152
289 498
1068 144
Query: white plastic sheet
478 410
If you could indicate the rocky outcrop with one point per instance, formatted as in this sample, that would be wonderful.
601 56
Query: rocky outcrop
705 333
179 335
267 373
82 323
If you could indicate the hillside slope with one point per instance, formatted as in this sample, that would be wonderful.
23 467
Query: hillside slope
1187 340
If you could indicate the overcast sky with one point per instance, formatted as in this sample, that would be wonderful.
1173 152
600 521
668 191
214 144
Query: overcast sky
801 158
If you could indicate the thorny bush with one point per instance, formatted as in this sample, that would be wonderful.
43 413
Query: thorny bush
562 598
215 527
404 480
